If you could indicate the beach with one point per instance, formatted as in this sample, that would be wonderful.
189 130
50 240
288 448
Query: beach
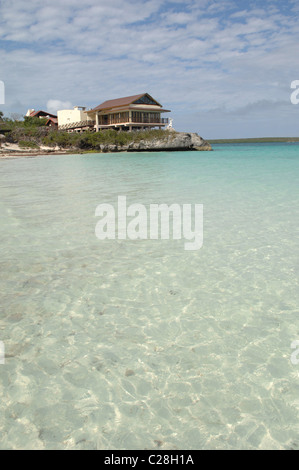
14 150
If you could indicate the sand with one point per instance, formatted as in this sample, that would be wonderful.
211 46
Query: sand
14 150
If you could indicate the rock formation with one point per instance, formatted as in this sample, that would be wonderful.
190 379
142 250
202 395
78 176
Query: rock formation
174 141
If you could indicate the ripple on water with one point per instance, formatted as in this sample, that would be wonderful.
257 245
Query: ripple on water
142 345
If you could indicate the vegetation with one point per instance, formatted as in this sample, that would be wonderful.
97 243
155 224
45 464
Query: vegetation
27 144
34 121
96 140
32 133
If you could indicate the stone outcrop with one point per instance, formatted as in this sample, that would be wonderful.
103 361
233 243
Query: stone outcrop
173 142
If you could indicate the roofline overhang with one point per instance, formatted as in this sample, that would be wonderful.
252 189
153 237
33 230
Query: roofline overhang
126 108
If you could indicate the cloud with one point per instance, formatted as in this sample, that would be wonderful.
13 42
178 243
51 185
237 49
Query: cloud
195 55
54 105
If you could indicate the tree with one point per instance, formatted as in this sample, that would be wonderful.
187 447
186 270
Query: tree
34 121
1 116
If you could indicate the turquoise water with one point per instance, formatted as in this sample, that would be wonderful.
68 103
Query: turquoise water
123 344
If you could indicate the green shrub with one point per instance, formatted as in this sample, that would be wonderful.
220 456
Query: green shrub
32 133
62 139
93 140
28 144
34 121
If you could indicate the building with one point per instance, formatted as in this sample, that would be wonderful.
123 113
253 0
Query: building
39 114
128 113
74 120
52 120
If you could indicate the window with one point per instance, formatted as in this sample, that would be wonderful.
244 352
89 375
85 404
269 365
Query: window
145 100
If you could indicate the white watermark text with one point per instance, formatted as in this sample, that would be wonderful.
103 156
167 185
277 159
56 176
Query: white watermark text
2 92
295 354
2 353
137 222
295 94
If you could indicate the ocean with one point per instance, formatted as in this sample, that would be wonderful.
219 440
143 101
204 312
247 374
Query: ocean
142 344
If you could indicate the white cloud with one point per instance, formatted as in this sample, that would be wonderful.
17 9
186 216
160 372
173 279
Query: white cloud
189 55
55 105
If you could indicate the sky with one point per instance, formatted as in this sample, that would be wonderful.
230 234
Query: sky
224 68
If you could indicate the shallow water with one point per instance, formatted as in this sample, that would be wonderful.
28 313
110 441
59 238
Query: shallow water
123 344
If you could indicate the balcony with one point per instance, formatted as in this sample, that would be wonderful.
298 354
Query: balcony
150 120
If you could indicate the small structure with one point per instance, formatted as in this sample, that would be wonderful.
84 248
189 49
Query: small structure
170 126
52 122
128 113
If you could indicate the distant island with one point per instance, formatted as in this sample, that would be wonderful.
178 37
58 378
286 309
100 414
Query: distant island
254 140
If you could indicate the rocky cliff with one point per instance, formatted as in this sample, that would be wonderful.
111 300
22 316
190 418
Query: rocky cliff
173 141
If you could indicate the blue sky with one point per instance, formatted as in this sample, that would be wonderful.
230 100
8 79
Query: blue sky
224 68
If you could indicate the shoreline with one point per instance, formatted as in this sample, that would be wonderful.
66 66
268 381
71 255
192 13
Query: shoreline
10 155
16 154
177 141
6 153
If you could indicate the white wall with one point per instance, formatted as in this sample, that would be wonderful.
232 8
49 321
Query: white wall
69 116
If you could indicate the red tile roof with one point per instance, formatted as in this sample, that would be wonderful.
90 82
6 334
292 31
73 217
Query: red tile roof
54 120
44 113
